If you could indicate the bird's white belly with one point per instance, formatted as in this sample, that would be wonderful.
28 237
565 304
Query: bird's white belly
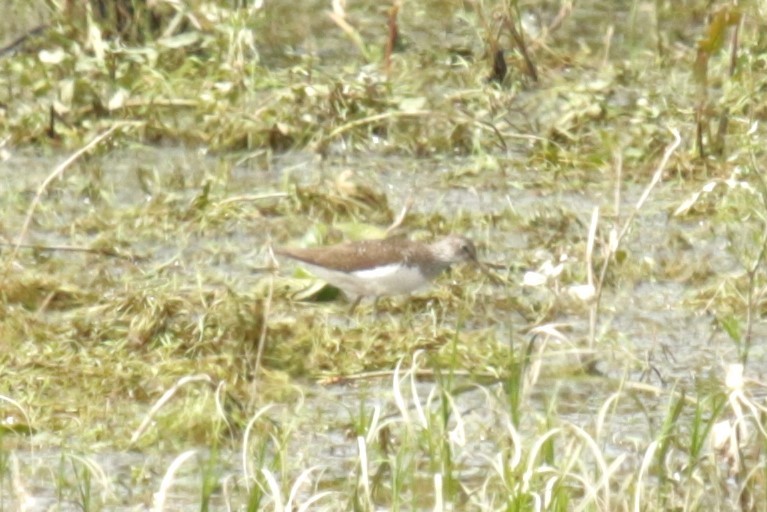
386 280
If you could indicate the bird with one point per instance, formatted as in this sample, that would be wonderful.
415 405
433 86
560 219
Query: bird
382 267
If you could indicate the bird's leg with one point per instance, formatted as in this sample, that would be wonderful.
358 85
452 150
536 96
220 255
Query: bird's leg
355 304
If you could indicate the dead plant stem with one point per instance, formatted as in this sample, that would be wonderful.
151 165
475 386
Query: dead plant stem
57 172
615 241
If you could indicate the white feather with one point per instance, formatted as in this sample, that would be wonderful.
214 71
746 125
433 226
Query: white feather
387 280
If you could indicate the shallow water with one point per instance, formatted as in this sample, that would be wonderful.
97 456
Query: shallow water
654 327
649 316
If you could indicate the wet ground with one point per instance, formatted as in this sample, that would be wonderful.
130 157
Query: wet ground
652 328
293 385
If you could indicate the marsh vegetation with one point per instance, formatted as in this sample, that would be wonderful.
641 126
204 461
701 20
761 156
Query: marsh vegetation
606 157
